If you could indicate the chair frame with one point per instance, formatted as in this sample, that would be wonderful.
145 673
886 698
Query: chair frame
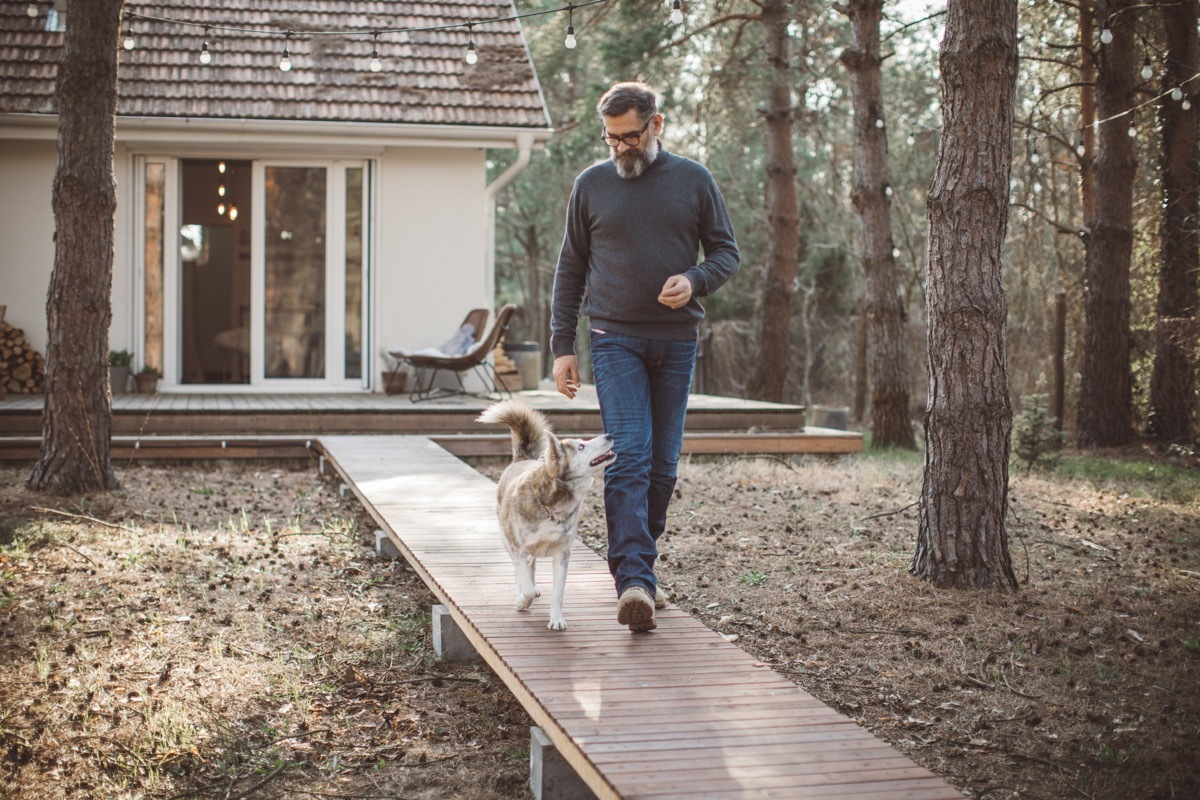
474 360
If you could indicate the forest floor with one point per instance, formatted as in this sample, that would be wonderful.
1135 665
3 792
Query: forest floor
226 630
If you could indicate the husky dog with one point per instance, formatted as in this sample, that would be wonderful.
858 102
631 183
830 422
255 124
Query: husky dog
540 495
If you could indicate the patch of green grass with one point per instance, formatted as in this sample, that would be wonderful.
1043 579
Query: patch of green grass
1139 477
1107 673
1192 643
202 490
1111 755
753 578
1064 668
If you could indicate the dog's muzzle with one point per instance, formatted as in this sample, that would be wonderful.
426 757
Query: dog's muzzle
602 458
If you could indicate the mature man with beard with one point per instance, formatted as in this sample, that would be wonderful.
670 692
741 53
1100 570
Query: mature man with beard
636 226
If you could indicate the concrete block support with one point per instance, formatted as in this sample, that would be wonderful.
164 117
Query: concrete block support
550 776
385 547
449 642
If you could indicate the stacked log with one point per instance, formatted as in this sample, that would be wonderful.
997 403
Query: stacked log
506 369
22 369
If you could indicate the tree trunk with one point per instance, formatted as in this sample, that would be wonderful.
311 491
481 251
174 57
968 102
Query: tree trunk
783 217
76 453
1173 380
962 541
882 305
1105 392
1087 112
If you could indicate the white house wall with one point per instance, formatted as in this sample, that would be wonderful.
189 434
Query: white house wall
430 268
27 257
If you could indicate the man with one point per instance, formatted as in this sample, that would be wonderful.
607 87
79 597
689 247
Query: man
635 226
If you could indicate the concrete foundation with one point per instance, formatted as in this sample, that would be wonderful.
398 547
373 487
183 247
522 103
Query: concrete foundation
449 642
550 776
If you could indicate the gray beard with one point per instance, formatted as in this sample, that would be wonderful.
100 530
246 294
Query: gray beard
632 163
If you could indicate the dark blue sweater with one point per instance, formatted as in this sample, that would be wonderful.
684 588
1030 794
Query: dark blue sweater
624 238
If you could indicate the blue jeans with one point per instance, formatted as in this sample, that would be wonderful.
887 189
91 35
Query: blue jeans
643 387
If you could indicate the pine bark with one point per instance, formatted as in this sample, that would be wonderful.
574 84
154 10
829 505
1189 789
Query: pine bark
882 305
962 541
769 377
76 451
1106 389
1173 379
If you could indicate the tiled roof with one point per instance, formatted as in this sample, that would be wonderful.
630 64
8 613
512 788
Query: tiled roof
424 80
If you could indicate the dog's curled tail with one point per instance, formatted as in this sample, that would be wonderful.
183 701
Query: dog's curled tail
529 427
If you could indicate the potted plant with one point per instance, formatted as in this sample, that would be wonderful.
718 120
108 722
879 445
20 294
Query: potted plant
147 379
118 369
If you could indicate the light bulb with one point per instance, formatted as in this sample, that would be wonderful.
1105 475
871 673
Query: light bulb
129 42
1034 158
285 63
205 55
1147 70
221 190
376 64
676 13
1132 131
570 42
32 9
1177 94
1106 36
232 212
221 167
895 252
888 191
1186 104
221 209
472 56
1081 151
911 140
879 123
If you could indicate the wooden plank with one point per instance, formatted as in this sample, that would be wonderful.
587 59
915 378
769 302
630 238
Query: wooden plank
678 712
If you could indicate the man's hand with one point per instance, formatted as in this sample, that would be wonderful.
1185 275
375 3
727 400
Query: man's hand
676 292
566 375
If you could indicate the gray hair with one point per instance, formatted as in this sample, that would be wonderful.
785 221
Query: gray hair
623 96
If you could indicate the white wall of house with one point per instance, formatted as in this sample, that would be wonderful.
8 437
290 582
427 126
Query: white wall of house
27 221
429 266
430 263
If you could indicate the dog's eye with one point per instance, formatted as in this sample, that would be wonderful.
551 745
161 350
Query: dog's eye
579 446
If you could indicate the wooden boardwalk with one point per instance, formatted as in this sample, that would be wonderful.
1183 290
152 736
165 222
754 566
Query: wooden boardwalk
675 713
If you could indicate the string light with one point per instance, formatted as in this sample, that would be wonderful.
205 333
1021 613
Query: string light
879 124
1106 36
1177 94
220 209
471 56
570 41
1147 70
376 64
205 55
285 63
129 41
1186 104
1034 158
677 12
221 190
232 212
221 167
1132 131
32 9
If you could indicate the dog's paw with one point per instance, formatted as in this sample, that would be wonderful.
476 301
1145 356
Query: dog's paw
559 624
537 592
524 602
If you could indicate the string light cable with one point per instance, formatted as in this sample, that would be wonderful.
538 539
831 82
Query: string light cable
375 63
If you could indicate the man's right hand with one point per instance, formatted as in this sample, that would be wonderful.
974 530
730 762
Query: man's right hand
566 375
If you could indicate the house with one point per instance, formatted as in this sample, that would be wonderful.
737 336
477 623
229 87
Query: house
277 230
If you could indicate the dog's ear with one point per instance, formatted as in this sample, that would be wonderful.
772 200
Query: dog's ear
553 453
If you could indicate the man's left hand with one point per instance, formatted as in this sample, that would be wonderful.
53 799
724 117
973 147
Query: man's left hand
676 292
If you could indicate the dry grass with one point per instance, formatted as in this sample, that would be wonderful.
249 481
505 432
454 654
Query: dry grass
227 631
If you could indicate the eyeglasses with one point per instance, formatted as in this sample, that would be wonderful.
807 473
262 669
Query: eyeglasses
628 139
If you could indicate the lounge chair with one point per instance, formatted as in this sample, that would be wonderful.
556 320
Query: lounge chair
429 364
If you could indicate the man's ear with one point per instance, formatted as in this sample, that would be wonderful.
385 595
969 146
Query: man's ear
657 124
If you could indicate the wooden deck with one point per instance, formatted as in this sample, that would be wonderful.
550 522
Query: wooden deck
675 713
271 425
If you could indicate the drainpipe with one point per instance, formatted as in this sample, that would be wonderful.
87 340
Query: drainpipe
524 149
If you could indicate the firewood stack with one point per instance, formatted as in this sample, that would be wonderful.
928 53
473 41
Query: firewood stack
506 369
22 369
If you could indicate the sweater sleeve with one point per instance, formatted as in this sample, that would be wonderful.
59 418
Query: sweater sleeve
722 259
570 277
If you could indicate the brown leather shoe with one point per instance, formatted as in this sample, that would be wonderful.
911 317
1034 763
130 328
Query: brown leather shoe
636 609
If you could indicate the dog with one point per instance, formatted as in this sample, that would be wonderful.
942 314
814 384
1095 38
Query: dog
540 495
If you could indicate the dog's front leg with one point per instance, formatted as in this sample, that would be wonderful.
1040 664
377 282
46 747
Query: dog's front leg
526 591
557 622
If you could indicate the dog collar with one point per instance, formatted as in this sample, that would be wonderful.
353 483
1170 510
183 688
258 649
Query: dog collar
546 511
